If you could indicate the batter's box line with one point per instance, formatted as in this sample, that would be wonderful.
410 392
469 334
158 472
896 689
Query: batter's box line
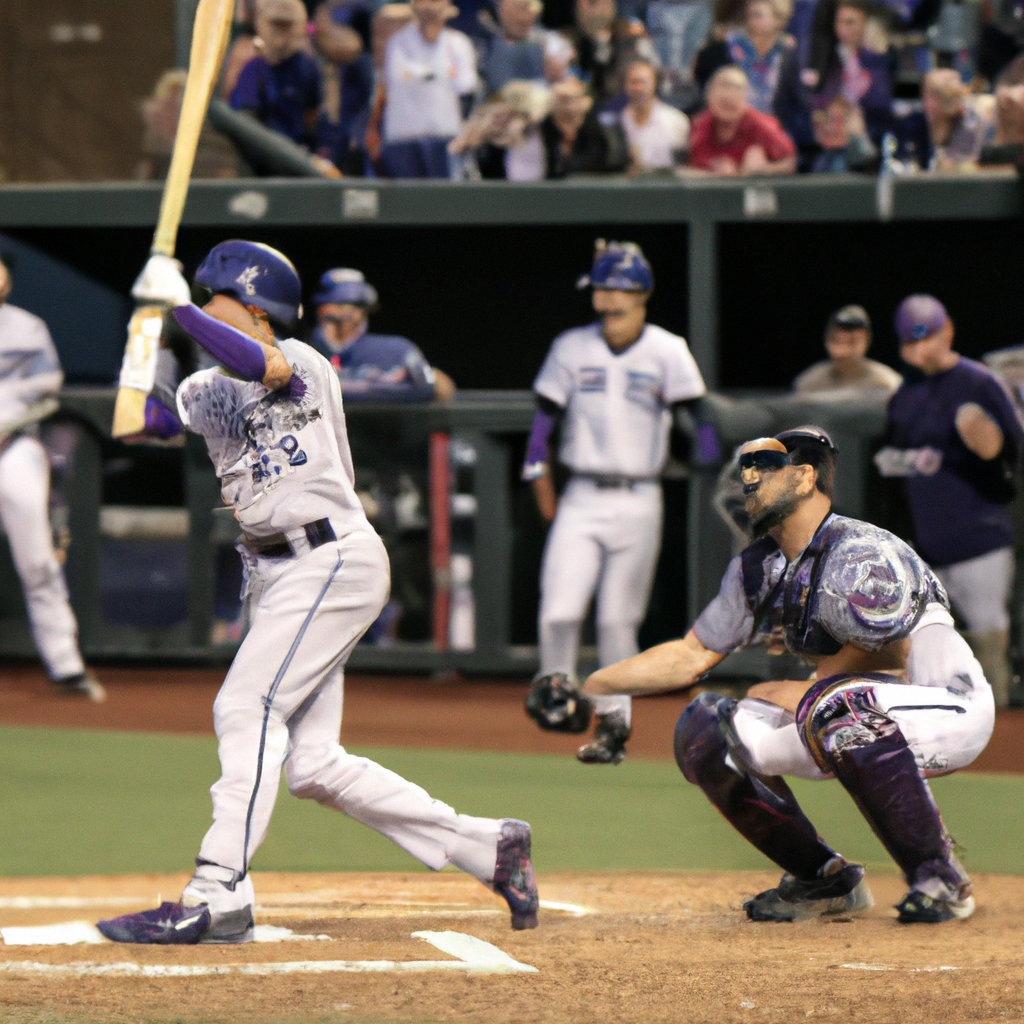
474 957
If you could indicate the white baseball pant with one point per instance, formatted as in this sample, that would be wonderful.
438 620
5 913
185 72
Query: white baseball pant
979 589
281 705
604 540
24 511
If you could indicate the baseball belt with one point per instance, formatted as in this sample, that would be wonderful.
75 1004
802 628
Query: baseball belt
611 481
302 540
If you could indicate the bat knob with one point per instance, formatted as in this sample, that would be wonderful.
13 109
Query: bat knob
161 281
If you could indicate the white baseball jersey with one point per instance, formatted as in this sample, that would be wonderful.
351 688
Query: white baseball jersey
29 369
616 403
282 456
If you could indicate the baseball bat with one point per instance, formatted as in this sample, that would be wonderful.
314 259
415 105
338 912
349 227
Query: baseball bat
210 32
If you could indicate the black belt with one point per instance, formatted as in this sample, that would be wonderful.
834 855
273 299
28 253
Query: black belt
608 481
277 545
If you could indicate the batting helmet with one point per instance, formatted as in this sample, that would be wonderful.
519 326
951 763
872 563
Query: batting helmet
255 275
619 265
919 317
344 285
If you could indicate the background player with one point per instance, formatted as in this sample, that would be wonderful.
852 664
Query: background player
897 694
30 380
610 386
317 577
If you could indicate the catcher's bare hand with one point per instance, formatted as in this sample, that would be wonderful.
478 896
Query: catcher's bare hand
556 704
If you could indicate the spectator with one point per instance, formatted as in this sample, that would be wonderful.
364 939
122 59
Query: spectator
1002 38
761 48
282 86
429 74
678 30
955 437
842 136
847 339
605 45
243 46
657 133
1008 146
521 51
575 141
342 36
847 67
731 138
371 367
505 133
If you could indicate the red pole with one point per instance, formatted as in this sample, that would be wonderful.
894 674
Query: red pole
440 536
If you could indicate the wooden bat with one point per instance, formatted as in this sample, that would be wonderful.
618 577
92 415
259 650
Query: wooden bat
210 32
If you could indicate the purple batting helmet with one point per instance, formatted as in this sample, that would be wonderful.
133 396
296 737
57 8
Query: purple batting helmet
621 266
919 317
344 285
255 275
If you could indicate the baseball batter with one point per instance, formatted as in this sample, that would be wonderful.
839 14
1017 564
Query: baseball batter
30 380
897 695
611 387
272 416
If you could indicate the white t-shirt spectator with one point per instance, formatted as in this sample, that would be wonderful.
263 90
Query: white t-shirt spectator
424 81
666 131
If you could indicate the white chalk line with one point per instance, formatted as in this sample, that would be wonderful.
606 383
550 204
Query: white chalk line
905 970
475 957
77 933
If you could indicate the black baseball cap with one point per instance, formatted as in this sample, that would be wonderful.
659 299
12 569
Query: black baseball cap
850 318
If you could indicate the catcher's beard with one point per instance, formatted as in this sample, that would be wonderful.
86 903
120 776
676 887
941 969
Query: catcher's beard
761 523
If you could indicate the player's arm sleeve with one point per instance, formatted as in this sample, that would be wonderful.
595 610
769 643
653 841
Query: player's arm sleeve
213 405
538 452
233 349
727 623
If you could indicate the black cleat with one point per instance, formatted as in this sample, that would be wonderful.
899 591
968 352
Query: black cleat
609 743
85 684
841 890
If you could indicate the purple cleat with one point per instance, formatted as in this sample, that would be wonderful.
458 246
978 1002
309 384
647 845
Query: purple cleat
171 924
513 874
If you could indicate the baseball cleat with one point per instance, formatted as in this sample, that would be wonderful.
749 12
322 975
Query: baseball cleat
609 743
85 684
513 874
841 889
171 924
936 900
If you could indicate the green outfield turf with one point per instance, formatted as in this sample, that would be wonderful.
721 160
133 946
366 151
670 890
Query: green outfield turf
83 802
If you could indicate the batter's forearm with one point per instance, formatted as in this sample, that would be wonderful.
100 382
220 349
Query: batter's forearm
671 666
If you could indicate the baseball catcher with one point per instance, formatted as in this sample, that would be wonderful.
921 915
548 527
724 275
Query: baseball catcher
896 697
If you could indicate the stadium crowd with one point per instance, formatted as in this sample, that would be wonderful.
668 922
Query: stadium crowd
425 89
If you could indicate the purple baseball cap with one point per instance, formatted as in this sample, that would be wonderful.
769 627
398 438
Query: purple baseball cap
919 317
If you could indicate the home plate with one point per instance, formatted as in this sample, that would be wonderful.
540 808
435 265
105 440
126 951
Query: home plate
76 933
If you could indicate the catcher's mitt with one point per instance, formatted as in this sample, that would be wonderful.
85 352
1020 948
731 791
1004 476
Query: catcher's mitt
555 703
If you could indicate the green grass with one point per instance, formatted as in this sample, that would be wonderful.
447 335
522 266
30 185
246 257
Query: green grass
84 802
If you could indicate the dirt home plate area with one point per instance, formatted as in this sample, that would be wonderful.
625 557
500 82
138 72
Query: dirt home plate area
630 947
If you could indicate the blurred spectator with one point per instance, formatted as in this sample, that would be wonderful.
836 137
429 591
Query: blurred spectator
215 155
847 67
505 133
847 340
282 86
575 140
760 47
1008 145
955 437
731 138
371 367
429 74
342 36
604 46
678 29
842 136
1002 38
243 46
958 124
657 133
520 50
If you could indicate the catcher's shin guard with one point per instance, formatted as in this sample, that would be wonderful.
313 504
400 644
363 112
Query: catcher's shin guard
762 809
850 736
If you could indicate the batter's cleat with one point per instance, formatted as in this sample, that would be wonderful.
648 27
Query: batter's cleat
609 743
513 874
171 924
85 684
230 904
935 899
840 889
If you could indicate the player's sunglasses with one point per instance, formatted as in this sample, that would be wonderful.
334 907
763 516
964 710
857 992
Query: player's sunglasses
763 460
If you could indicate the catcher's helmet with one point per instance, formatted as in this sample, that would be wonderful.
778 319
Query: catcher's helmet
255 275
619 265
343 285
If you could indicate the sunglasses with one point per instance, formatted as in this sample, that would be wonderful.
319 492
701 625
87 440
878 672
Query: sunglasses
764 460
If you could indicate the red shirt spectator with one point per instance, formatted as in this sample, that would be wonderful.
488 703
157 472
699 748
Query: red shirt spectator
730 137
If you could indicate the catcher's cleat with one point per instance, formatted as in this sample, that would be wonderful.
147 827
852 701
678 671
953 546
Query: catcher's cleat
171 924
513 874
935 900
609 743
841 889
85 684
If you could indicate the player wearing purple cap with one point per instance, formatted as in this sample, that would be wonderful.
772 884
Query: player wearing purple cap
955 438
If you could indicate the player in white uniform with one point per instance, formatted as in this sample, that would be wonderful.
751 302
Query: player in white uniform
318 576
612 386
30 380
